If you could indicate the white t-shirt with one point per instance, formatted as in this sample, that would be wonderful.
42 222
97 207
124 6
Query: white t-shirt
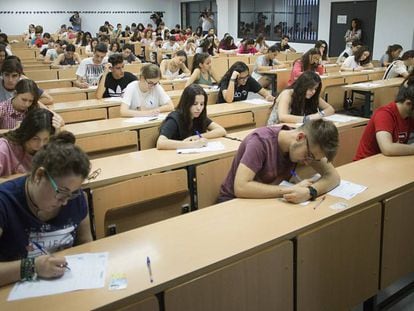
262 61
167 46
90 71
350 62
395 69
135 99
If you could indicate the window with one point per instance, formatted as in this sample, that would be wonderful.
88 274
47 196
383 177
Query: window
296 18
191 12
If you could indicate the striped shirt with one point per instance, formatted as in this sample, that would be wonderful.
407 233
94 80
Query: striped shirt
9 117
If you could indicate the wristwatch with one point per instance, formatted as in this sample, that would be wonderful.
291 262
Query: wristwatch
322 113
313 193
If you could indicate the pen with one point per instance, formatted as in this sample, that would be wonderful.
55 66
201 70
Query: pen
198 134
320 202
149 269
45 252
293 172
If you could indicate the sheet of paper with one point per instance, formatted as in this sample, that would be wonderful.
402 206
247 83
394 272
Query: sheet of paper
113 99
143 119
257 101
347 190
368 84
211 146
340 118
87 271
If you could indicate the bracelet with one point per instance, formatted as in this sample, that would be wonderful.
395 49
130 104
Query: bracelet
28 269
233 80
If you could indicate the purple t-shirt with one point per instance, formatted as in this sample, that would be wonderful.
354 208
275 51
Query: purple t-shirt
260 152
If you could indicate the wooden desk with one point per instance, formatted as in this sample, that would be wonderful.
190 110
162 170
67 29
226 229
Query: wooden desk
72 93
176 94
56 83
279 77
223 252
387 89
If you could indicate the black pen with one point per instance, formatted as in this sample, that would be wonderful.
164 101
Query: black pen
149 269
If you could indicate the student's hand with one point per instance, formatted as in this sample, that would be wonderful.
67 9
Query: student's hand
305 183
201 142
49 266
270 98
152 113
107 68
193 138
359 68
83 85
234 75
57 121
296 194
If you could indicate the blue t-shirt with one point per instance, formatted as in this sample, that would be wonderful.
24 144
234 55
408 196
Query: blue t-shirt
20 226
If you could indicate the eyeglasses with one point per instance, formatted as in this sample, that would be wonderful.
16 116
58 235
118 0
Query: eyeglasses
309 157
151 83
63 195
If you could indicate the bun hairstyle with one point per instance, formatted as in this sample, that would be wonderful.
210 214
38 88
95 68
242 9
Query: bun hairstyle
61 157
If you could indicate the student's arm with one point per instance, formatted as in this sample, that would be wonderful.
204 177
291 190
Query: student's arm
77 58
185 70
329 180
389 148
265 93
292 49
283 109
46 99
163 67
228 94
163 143
214 130
346 65
47 59
126 112
327 109
57 121
100 90
56 62
169 106
193 78
80 83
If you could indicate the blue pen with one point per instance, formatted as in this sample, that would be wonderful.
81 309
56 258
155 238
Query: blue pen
198 134
149 269
293 172
45 252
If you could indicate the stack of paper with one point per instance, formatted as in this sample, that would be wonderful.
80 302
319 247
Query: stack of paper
211 146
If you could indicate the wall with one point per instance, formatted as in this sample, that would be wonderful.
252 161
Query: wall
18 23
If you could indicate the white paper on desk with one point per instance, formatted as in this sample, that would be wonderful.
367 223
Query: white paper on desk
87 271
113 99
285 183
341 118
347 190
368 84
93 87
143 119
256 101
211 146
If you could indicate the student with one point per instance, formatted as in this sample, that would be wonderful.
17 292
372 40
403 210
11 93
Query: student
322 46
114 47
47 203
68 58
146 97
11 74
128 55
237 83
53 54
401 67
393 53
284 45
352 34
266 62
356 44
170 45
114 80
170 68
227 45
359 61
207 45
300 102
247 47
190 46
390 126
90 48
308 62
18 146
202 73
260 44
188 126
90 69
270 154
3 54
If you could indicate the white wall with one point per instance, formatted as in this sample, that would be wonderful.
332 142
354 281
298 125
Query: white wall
17 23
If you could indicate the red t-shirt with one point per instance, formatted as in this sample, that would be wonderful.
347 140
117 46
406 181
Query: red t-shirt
386 118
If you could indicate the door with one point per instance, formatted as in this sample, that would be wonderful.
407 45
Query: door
341 15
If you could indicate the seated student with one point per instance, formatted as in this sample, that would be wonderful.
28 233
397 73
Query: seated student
53 54
47 203
114 47
190 46
202 73
11 74
207 45
359 61
355 45
146 97
308 62
390 126
188 126
90 48
260 44
393 53
269 155
237 83
128 55
18 146
265 62
284 45
300 102
322 46
90 69
68 58
156 50
40 42
400 67
3 54
114 80
227 45
247 47
26 96
170 68
170 46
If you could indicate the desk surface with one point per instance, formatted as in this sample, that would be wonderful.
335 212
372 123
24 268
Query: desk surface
373 85
78 105
173 263
70 90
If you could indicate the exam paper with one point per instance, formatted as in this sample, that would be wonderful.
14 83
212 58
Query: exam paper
87 271
113 99
340 118
144 119
211 146
347 190
256 101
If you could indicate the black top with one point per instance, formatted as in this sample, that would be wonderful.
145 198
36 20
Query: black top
283 48
115 88
240 91
173 126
